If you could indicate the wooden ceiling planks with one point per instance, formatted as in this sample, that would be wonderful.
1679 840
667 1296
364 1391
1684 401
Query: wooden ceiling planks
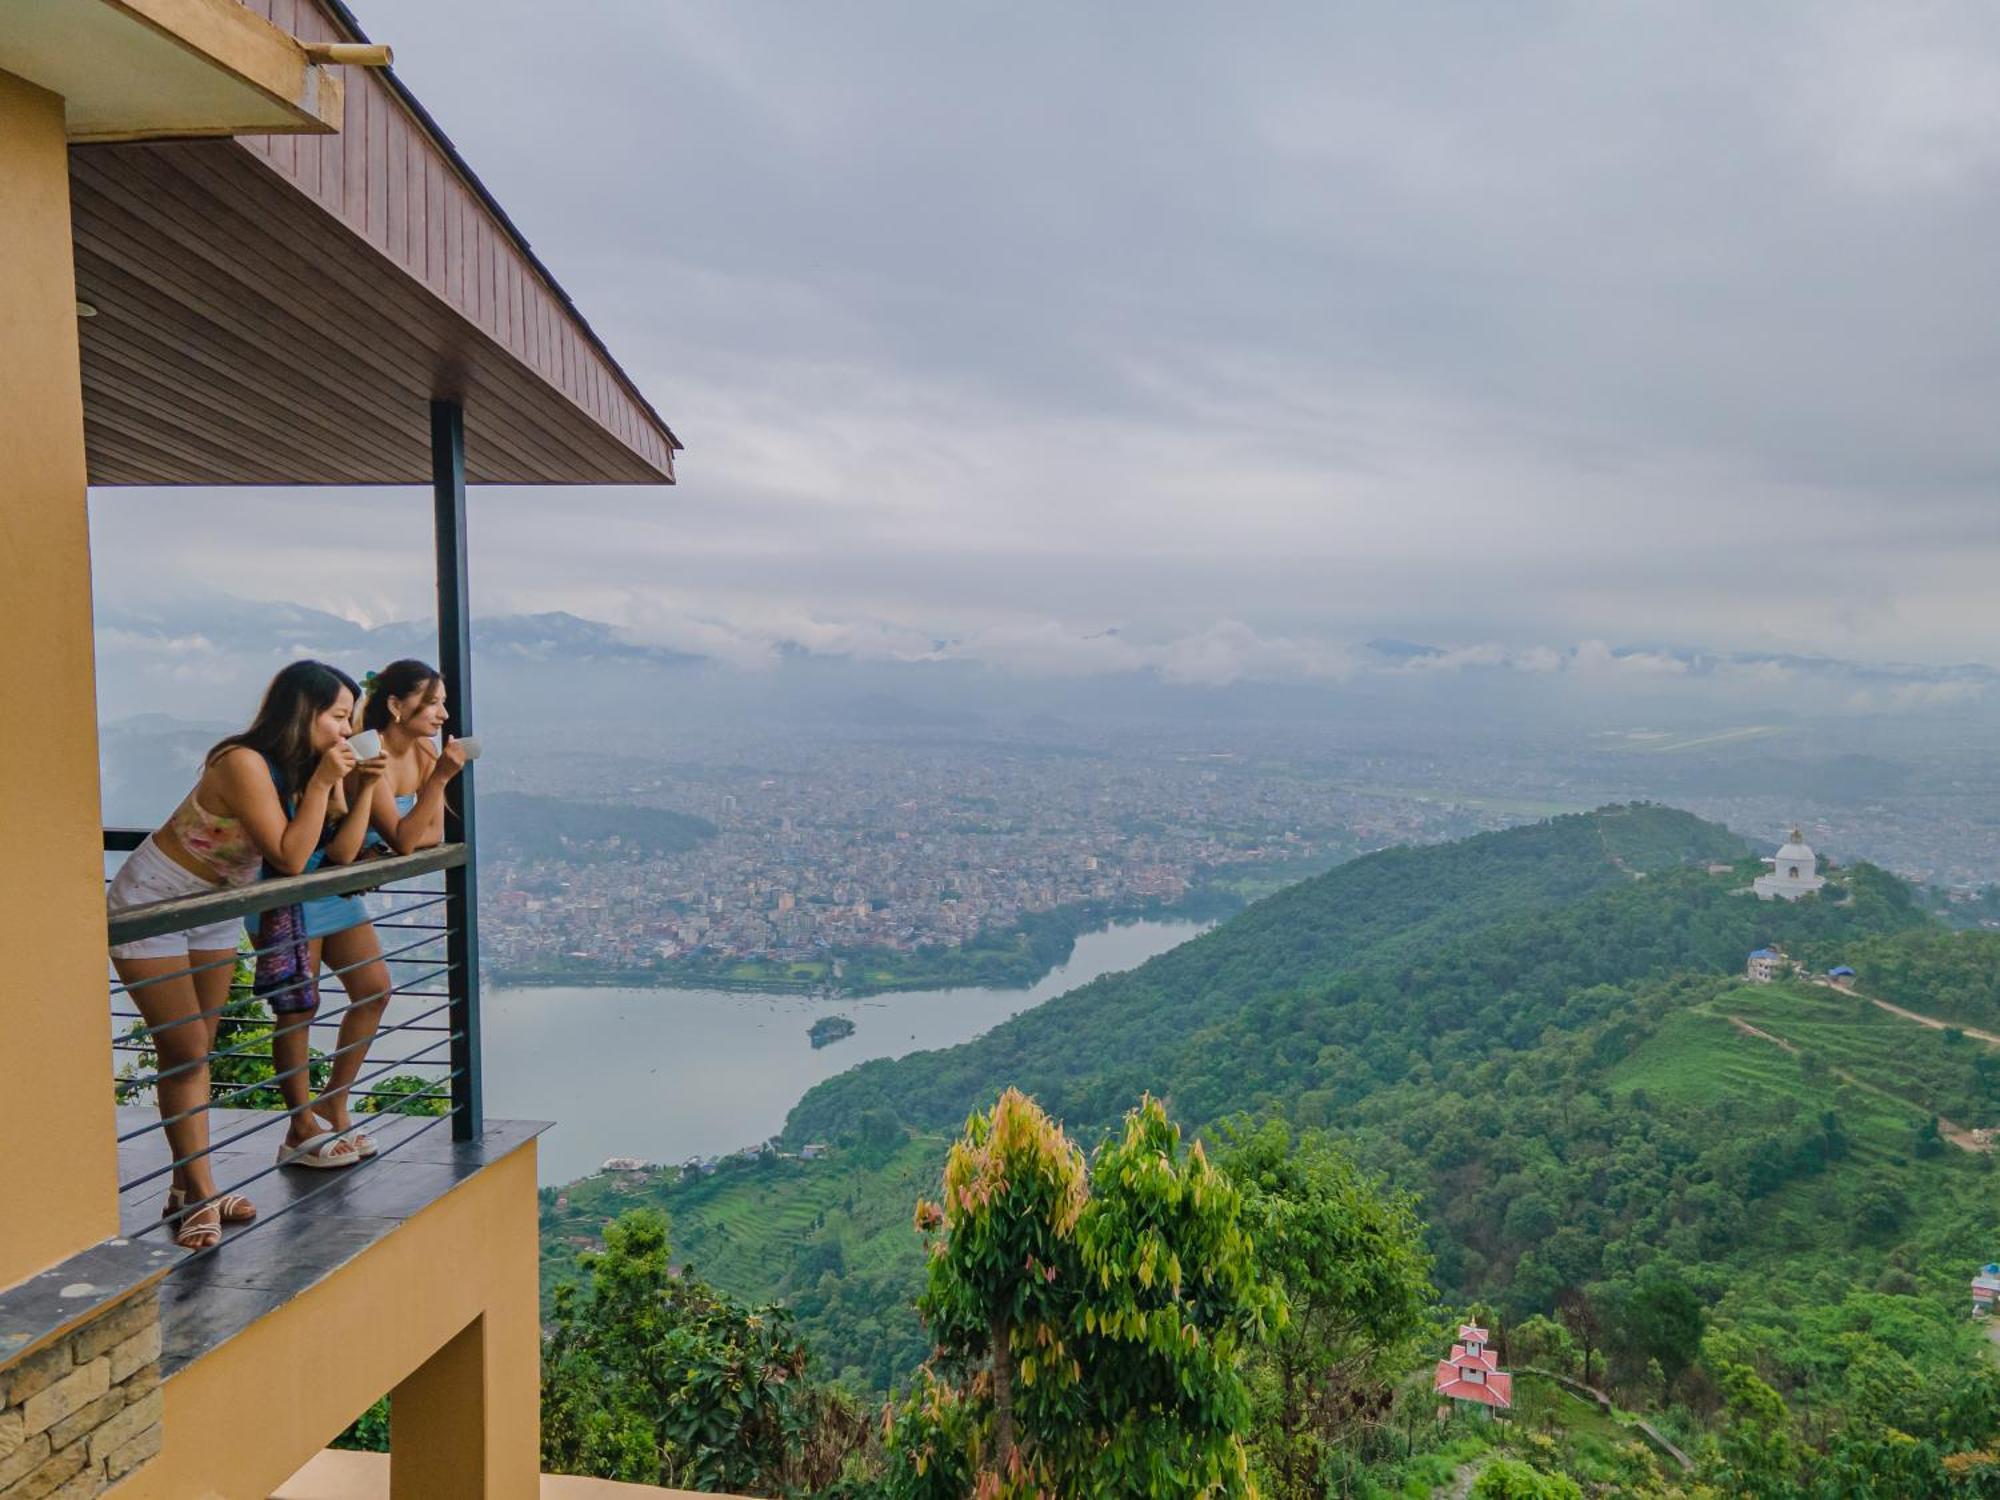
281 311
256 333
489 248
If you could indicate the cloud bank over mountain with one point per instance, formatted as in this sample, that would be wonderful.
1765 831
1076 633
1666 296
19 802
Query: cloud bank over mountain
1206 342
206 660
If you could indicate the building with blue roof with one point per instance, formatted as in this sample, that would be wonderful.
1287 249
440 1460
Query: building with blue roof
1767 964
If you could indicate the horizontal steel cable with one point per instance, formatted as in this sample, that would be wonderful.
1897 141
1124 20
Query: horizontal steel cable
305 1067
277 1117
304 1198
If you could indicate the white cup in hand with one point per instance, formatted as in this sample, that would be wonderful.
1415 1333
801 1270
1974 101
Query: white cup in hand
468 747
365 745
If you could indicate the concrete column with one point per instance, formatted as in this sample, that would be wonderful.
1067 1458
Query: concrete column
58 1160
438 1421
456 1425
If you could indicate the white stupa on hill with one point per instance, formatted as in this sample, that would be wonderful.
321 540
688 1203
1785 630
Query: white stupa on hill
1794 872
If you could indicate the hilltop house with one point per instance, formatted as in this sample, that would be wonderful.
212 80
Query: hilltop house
1985 1290
1794 872
1470 1377
1767 964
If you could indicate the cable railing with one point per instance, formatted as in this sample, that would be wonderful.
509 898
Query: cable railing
421 1059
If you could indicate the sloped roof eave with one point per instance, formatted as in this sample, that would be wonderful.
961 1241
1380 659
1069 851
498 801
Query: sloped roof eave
346 19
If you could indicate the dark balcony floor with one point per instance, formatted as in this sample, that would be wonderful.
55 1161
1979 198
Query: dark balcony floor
309 1223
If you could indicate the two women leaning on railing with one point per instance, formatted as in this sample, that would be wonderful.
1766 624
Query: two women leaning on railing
286 795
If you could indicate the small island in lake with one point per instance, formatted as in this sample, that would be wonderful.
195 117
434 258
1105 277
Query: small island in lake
830 1029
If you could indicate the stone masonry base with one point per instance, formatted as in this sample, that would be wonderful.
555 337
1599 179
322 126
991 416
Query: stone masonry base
78 1416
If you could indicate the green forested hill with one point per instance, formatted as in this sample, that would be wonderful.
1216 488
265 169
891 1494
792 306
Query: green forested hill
1480 1020
1088 1054
1719 1188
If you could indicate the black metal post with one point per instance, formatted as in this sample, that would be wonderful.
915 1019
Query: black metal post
454 615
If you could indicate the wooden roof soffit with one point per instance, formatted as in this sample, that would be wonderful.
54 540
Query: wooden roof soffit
146 69
281 309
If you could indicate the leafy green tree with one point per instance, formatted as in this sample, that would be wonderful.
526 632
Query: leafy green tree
1974 1475
1348 1255
1583 1318
1662 1320
656 1378
1089 1324
406 1094
1510 1479
1542 1341
1755 1452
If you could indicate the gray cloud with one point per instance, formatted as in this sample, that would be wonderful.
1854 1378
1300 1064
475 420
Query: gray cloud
1238 330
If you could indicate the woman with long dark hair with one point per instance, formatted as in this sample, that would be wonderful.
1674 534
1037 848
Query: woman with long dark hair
405 705
232 825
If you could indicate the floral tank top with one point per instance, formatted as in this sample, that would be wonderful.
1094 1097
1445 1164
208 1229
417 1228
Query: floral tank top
223 844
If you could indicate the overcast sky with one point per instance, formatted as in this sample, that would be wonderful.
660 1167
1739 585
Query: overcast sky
1078 336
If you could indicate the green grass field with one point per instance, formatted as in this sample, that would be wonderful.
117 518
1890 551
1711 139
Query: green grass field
1698 1058
746 1240
1894 1073
1885 1211
758 971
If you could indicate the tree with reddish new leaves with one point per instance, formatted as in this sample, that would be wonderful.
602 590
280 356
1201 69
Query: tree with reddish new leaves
1089 1321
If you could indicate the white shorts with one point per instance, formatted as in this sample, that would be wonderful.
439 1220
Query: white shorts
148 875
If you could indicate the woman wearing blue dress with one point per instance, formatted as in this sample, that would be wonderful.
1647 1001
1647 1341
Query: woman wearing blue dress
405 705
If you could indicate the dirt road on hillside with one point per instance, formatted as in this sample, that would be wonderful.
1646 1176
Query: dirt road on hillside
1918 1016
1958 1135
1933 1022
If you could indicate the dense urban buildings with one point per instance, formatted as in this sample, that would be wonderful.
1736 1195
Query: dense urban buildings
796 858
819 851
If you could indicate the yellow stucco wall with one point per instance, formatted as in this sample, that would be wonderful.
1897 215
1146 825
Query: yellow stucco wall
243 1418
58 1164
338 1475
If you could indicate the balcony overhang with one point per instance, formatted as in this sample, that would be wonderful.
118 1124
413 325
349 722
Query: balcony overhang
282 309
131 69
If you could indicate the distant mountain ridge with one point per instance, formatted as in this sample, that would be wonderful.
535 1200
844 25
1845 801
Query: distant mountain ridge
283 631
531 827
215 632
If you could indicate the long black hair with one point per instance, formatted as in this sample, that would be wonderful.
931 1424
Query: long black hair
282 730
397 680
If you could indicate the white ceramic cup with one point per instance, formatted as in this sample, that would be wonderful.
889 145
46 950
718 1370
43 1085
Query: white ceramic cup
470 746
365 745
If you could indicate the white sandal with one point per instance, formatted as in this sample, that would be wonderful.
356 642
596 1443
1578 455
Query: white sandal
199 1228
324 1150
234 1207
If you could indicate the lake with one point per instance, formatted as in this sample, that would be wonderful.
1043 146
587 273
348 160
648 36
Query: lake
665 1074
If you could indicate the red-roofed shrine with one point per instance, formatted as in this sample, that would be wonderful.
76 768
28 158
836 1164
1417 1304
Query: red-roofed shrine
1471 1375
